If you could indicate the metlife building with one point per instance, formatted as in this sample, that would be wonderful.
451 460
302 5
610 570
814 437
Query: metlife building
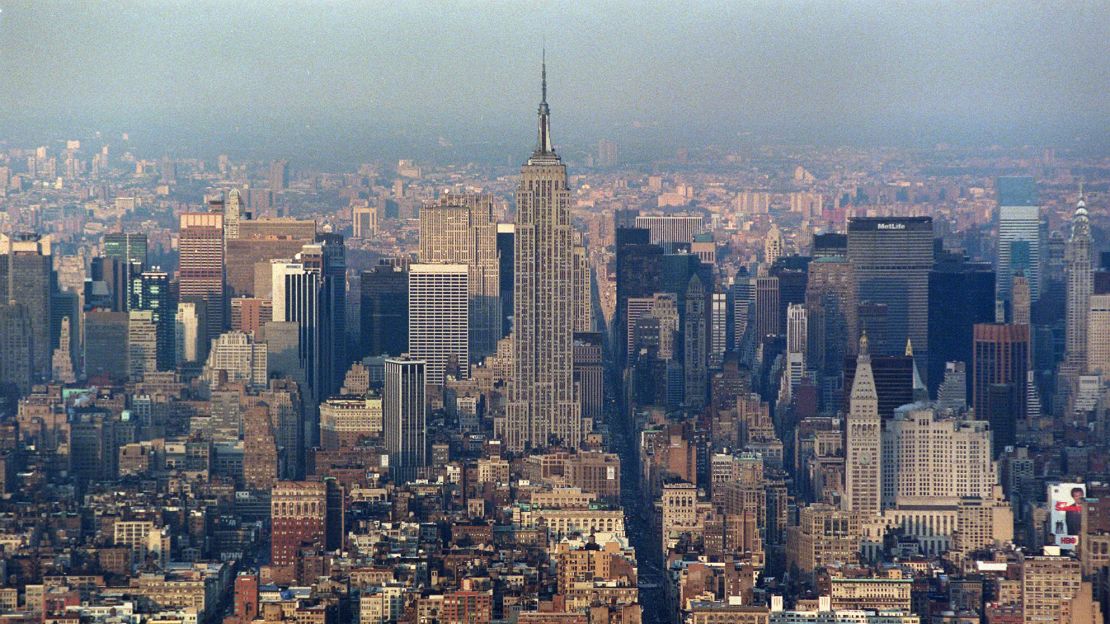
891 258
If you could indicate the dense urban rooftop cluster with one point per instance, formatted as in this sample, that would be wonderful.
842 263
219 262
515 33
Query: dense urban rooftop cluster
769 385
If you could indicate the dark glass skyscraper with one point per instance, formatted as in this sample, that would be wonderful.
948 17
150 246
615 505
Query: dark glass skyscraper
332 264
893 376
505 274
151 291
126 246
891 258
639 274
26 278
385 310
793 274
961 294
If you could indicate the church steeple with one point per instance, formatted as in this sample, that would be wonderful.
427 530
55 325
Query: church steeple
544 146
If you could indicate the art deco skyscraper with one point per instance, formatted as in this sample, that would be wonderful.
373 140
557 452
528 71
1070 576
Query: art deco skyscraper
61 363
1077 268
543 406
233 212
863 441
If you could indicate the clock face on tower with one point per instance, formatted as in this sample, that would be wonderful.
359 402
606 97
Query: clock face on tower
865 458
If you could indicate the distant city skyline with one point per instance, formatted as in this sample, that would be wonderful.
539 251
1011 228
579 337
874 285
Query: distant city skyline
352 80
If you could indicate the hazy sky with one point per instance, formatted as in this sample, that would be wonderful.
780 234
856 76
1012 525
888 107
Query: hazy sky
316 74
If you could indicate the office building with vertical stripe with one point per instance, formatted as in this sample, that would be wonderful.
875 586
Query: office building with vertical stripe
666 229
404 416
505 234
589 374
127 247
1098 336
718 328
439 319
767 318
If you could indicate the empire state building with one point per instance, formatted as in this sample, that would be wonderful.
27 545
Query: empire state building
543 406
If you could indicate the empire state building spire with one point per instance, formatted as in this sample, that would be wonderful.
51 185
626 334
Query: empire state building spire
543 146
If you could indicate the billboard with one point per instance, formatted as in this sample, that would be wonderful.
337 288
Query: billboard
1065 513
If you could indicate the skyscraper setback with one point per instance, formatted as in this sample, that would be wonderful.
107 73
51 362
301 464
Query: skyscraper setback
543 406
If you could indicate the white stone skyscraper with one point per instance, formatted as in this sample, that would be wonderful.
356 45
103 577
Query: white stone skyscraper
439 320
929 455
1077 268
543 405
863 441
